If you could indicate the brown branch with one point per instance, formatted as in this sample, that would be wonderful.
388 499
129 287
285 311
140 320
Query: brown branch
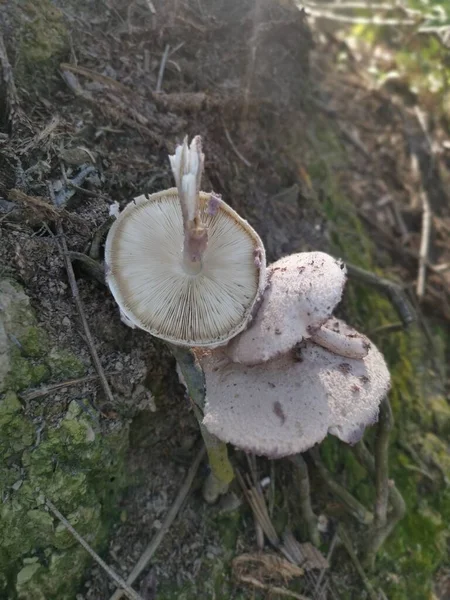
76 296
170 517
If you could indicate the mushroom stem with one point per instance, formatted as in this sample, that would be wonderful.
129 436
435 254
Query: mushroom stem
344 345
187 166
305 498
222 473
384 522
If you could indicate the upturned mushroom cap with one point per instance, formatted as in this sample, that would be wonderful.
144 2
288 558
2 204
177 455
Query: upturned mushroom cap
302 293
289 404
146 274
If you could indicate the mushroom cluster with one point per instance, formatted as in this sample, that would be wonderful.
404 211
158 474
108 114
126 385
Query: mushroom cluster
280 371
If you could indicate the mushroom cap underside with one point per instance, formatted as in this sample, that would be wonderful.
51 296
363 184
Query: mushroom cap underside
303 290
144 270
287 405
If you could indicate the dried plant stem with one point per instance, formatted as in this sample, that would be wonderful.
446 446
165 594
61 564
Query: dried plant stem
353 506
345 539
394 291
79 305
222 473
373 20
305 498
234 148
126 589
170 517
162 68
49 389
14 110
385 521
424 244
385 424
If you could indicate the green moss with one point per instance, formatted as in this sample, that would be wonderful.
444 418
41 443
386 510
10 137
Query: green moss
43 41
24 373
417 547
71 462
34 342
65 365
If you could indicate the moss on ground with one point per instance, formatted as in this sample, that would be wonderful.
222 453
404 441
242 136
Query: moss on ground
418 546
42 42
69 460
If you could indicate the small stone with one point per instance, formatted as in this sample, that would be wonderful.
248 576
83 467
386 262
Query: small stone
118 366
157 524
66 322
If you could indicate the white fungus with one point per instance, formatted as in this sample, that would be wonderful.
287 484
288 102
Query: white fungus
184 267
289 404
303 290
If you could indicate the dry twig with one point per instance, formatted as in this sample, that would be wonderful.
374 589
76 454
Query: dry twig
424 244
126 589
162 68
235 150
151 7
49 389
170 517
373 20
76 296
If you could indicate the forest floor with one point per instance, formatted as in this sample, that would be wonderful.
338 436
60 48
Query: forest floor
316 153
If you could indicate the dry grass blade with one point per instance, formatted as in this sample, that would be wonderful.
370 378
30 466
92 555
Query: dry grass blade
126 589
14 111
162 68
427 218
103 79
266 572
49 389
259 508
305 554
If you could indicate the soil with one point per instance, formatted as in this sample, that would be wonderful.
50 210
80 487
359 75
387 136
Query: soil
264 88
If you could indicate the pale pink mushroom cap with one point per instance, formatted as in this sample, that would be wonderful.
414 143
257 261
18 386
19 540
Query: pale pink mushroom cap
289 404
302 294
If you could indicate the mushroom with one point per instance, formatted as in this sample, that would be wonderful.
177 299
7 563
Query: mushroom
302 293
286 405
182 264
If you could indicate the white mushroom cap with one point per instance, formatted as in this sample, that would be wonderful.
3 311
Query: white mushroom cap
289 404
302 294
146 274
